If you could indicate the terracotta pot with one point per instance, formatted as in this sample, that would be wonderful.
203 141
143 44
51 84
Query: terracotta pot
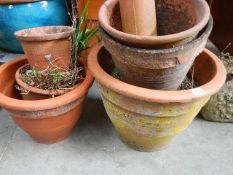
222 32
93 8
138 17
46 121
47 46
148 120
33 93
155 68
220 106
177 22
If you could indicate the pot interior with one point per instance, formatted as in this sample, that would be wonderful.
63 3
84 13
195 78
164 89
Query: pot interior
43 31
8 82
204 67
172 16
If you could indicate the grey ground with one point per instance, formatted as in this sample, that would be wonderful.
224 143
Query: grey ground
205 148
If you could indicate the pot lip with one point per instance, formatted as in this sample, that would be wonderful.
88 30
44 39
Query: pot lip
157 96
136 39
66 31
37 105
37 90
206 32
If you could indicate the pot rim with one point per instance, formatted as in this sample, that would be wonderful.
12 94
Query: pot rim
36 105
165 39
35 90
206 32
156 96
24 35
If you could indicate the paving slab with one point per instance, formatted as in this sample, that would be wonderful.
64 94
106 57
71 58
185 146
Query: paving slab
205 148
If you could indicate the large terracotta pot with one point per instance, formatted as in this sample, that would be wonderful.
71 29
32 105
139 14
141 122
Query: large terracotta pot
18 16
93 8
46 121
148 120
177 22
155 68
222 33
47 47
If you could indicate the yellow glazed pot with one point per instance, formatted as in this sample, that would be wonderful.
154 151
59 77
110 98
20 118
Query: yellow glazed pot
145 119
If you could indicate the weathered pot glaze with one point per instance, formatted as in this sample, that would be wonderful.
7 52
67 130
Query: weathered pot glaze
46 121
47 47
220 106
177 22
14 17
155 68
33 93
148 120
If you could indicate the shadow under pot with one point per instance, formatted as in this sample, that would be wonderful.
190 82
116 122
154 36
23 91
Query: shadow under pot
178 22
47 47
156 68
46 121
146 119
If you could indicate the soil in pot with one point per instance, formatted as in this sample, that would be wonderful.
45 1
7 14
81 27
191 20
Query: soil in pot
47 47
148 120
156 68
46 121
37 85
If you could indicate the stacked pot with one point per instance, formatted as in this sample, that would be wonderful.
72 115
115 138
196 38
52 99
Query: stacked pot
45 119
144 104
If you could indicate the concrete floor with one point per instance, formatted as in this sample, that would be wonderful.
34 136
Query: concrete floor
205 148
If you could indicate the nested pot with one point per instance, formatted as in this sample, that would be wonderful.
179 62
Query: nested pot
21 14
155 68
33 93
47 47
178 22
46 121
148 120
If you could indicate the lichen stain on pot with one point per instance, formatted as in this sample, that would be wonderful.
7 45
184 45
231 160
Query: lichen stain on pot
148 126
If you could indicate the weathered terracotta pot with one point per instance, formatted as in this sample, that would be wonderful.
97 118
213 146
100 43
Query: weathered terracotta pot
47 46
223 24
33 93
46 121
148 120
138 17
220 106
155 68
177 22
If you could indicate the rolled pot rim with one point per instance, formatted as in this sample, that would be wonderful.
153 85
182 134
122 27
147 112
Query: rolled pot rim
38 91
21 36
205 33
35 105
165 39
158 96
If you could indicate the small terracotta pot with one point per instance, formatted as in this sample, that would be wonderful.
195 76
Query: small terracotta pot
47 46
46 121
33 93
138 17
155 68
148 120
177 22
